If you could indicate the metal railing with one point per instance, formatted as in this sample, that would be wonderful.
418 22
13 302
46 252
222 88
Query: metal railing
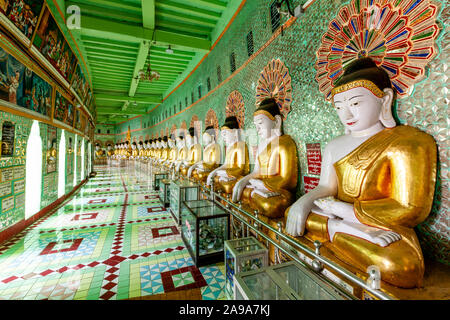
319 259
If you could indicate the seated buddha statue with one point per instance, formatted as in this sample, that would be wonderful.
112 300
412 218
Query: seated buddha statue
236 163
134 151
127 150
173 152
194 153
377 182
211 157
141 150
164 151
158 151
109 151
99 152
52 153
182 152
270 188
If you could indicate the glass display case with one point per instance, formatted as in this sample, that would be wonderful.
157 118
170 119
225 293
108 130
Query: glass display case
204 229
164 192
242 255
181 190
286 281
158 176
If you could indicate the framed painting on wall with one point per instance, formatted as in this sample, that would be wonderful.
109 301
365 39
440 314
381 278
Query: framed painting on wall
23 14
64 110
51 43
21 86
8 134
79 83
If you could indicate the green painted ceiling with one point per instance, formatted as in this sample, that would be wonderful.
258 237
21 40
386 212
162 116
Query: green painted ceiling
120 37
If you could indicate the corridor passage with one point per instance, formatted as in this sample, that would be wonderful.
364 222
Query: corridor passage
112 240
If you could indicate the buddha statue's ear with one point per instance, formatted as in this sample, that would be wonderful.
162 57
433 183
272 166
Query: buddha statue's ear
386 117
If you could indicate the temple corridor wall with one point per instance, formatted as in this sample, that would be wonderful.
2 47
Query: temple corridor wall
13 168
311 119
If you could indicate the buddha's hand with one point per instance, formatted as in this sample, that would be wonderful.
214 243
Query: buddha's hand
336 208
238 189
258 184
296 219
189 173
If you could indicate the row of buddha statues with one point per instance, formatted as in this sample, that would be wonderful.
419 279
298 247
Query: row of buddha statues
376 184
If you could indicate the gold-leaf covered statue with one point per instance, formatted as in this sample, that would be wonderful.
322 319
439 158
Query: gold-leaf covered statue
377 182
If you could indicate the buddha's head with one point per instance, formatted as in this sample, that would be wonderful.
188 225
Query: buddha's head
158 143
209 135
140 145
267 119
190 137
164 142
230 131
363 97
133 146
109 147
180 140
170 142
154 143
97 146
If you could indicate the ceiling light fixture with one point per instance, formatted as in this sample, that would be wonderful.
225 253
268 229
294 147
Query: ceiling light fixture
148 75
169 50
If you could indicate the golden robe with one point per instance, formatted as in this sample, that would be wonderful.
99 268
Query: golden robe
211 160
278 171
236 166
194 156
390 180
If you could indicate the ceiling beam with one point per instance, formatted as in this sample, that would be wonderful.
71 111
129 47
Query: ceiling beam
211 4
151 99
148 14
139 65
104 28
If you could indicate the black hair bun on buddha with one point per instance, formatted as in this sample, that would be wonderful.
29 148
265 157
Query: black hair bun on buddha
365 69
231 123
134 143
140 142
269 105
209 128
165 139
191 131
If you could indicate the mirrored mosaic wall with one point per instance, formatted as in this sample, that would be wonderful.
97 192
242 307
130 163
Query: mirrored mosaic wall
13 166
312 119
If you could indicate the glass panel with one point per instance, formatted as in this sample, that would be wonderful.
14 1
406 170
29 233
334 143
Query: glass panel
262 287
229 268
242 242
250 264
303 284
248 248
212 234
188 227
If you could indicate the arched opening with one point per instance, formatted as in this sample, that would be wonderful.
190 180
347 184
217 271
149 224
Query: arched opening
82 159
62 166
33 175
75 151
89 166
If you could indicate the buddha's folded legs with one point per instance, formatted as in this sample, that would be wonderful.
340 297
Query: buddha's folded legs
224 186
272 207
401 262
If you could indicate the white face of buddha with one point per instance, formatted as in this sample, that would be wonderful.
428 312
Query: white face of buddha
139 146
358 108
229 136
189 140
133 146
207 139
264 126
163 144
170 142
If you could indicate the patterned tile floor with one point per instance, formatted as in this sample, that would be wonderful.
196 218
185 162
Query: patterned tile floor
112 240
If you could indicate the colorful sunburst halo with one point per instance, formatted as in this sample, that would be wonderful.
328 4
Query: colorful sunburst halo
399 36
275 82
